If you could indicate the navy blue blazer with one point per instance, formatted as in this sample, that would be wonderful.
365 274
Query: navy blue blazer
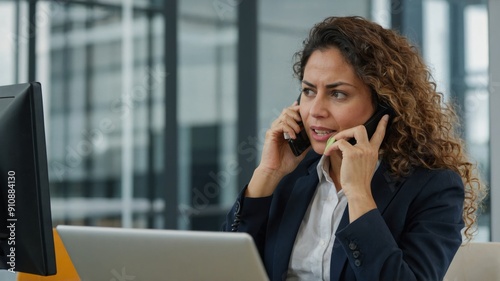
412 235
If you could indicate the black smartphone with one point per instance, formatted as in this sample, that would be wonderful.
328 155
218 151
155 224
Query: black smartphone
372 123
301 143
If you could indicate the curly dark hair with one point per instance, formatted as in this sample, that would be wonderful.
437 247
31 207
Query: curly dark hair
425 130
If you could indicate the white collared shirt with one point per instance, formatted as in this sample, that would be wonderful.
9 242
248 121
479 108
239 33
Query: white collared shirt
312 250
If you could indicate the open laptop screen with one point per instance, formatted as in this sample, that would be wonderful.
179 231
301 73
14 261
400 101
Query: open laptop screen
100 253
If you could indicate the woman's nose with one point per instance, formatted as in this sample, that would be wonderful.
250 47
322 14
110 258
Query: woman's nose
318 106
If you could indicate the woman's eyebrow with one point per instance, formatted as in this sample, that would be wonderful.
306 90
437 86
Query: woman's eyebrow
309 84
332 85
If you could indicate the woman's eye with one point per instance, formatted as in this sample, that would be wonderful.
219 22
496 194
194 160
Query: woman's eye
338 95
307 92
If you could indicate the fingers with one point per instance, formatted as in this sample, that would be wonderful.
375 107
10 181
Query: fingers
288 122
341 140
379 134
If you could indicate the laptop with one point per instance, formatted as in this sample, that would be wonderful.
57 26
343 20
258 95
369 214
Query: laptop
120 254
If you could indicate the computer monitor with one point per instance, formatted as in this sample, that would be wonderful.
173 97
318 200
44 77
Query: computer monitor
26 241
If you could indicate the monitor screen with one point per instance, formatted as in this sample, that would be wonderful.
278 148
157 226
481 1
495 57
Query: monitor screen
26 241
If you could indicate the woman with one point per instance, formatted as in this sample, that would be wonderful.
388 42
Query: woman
389 207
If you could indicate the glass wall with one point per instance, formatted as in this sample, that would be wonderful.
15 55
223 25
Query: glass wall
81 64
15 36
460 68
102 65
477 98
206 112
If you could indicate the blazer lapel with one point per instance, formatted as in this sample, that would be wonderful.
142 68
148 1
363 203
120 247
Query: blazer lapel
384 188
295 209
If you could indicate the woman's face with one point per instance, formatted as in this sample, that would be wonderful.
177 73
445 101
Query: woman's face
333 97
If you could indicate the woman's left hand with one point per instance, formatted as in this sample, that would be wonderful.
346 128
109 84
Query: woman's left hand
358 165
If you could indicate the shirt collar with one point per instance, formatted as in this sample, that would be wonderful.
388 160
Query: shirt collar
323 168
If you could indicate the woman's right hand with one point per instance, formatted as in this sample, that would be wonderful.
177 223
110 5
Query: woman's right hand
277 158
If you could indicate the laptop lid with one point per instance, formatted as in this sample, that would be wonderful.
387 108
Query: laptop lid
120 254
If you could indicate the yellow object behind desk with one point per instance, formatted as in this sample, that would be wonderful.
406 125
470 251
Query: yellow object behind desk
65 269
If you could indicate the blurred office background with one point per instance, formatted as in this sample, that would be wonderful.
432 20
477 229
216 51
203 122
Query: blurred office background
156 110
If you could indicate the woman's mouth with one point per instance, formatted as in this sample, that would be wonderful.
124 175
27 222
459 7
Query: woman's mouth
321 134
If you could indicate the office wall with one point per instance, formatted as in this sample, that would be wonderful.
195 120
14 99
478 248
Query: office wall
79 62
494 46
